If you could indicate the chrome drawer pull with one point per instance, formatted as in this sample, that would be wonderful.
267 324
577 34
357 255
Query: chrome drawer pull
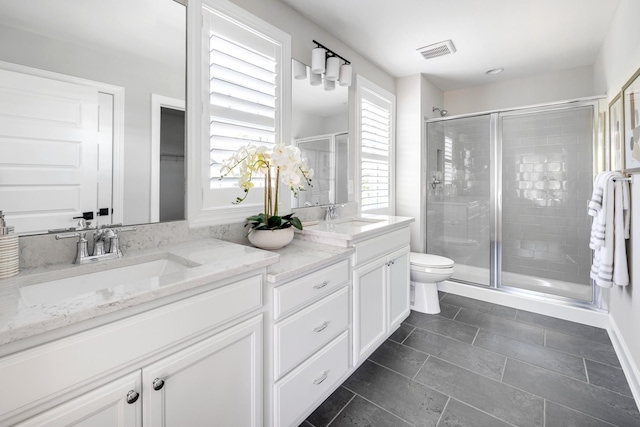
157 384
321 327
321 285
324 376
132 396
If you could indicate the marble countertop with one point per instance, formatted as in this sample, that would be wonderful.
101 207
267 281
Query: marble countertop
209 260
301 256
341 231
26 320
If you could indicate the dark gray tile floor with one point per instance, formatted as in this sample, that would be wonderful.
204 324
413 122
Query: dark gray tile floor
478 364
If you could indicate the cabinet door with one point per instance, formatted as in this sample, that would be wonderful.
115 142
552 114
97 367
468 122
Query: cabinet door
106 406
216 382
369 308
399 285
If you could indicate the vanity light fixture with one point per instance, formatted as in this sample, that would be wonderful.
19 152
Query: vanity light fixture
315 79
327 62
345 75
333 68
318 60
329 85
299 70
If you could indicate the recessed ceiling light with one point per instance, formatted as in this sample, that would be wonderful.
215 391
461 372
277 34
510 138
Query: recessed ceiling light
495 71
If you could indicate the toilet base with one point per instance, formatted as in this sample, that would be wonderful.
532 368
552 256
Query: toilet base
424 297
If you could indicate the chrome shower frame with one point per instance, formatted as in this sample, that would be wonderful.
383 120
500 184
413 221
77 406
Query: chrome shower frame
599 300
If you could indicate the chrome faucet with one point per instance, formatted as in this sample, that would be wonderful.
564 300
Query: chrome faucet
331 212
110 232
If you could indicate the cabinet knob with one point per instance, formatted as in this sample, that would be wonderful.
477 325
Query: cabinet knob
323 377
321 327
157 384
320 285
132 396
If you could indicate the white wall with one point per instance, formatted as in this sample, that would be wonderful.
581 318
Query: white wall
618 59
415 97
138 76
543 88
303 32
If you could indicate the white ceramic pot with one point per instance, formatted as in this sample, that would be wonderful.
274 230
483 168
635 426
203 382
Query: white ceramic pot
271 239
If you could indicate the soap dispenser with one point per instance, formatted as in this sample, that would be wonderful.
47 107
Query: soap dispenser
9 250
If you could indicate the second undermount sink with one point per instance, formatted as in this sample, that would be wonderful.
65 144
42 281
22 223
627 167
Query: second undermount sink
356 222
80 281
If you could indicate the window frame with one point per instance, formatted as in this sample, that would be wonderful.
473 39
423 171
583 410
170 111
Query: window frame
200 209
366 89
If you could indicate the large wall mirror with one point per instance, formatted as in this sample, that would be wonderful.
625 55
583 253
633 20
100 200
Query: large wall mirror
91 97
320 126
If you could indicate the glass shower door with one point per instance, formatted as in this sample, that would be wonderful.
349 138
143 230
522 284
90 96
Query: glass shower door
547 172
458 195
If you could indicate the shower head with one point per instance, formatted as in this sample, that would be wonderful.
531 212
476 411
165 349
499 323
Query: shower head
442 112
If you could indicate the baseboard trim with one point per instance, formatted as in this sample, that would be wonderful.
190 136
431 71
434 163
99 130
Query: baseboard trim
631 370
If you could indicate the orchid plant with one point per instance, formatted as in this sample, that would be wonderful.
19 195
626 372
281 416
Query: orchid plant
280 164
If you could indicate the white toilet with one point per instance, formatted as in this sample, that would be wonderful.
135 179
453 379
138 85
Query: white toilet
426 271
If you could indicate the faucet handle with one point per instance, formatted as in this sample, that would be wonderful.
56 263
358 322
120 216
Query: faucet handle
121 229
114 237
79 234
82 251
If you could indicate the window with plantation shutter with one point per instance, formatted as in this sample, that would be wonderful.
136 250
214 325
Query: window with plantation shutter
376 136
244 70
242 95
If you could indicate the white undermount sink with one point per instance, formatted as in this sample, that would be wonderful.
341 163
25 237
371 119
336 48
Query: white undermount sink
83 282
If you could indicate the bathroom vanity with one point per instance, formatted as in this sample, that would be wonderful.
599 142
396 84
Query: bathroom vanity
185 345
207 330
380 274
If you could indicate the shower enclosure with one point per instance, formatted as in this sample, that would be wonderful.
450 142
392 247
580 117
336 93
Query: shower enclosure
507 197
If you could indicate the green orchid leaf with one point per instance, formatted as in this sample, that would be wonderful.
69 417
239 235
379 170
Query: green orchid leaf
295 221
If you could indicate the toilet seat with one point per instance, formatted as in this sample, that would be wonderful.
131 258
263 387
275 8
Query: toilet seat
429 261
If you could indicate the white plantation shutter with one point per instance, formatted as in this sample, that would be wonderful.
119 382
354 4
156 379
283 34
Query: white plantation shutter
245 69
376 129
243 93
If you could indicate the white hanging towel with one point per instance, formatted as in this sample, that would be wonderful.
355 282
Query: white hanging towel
609 205
598 210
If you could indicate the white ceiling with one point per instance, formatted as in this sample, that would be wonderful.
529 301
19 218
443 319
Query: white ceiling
149 28
525 37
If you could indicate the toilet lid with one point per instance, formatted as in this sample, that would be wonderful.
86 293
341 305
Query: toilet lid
428 260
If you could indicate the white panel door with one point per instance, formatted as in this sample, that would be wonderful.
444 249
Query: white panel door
399 287
217 382
48 151
369 307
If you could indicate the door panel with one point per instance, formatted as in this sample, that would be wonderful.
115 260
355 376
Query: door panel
48 141
215 382
105 406
369 307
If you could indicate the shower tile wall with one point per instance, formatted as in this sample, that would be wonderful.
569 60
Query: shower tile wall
547 181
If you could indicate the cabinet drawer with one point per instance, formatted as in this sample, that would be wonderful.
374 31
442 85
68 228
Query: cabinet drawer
296 293
311 382
381 245
299 336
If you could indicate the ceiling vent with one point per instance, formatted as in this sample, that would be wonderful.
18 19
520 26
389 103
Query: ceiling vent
437 49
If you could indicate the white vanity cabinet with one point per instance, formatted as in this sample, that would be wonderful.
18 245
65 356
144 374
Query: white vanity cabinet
380 290
214 382
195 361
309 335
